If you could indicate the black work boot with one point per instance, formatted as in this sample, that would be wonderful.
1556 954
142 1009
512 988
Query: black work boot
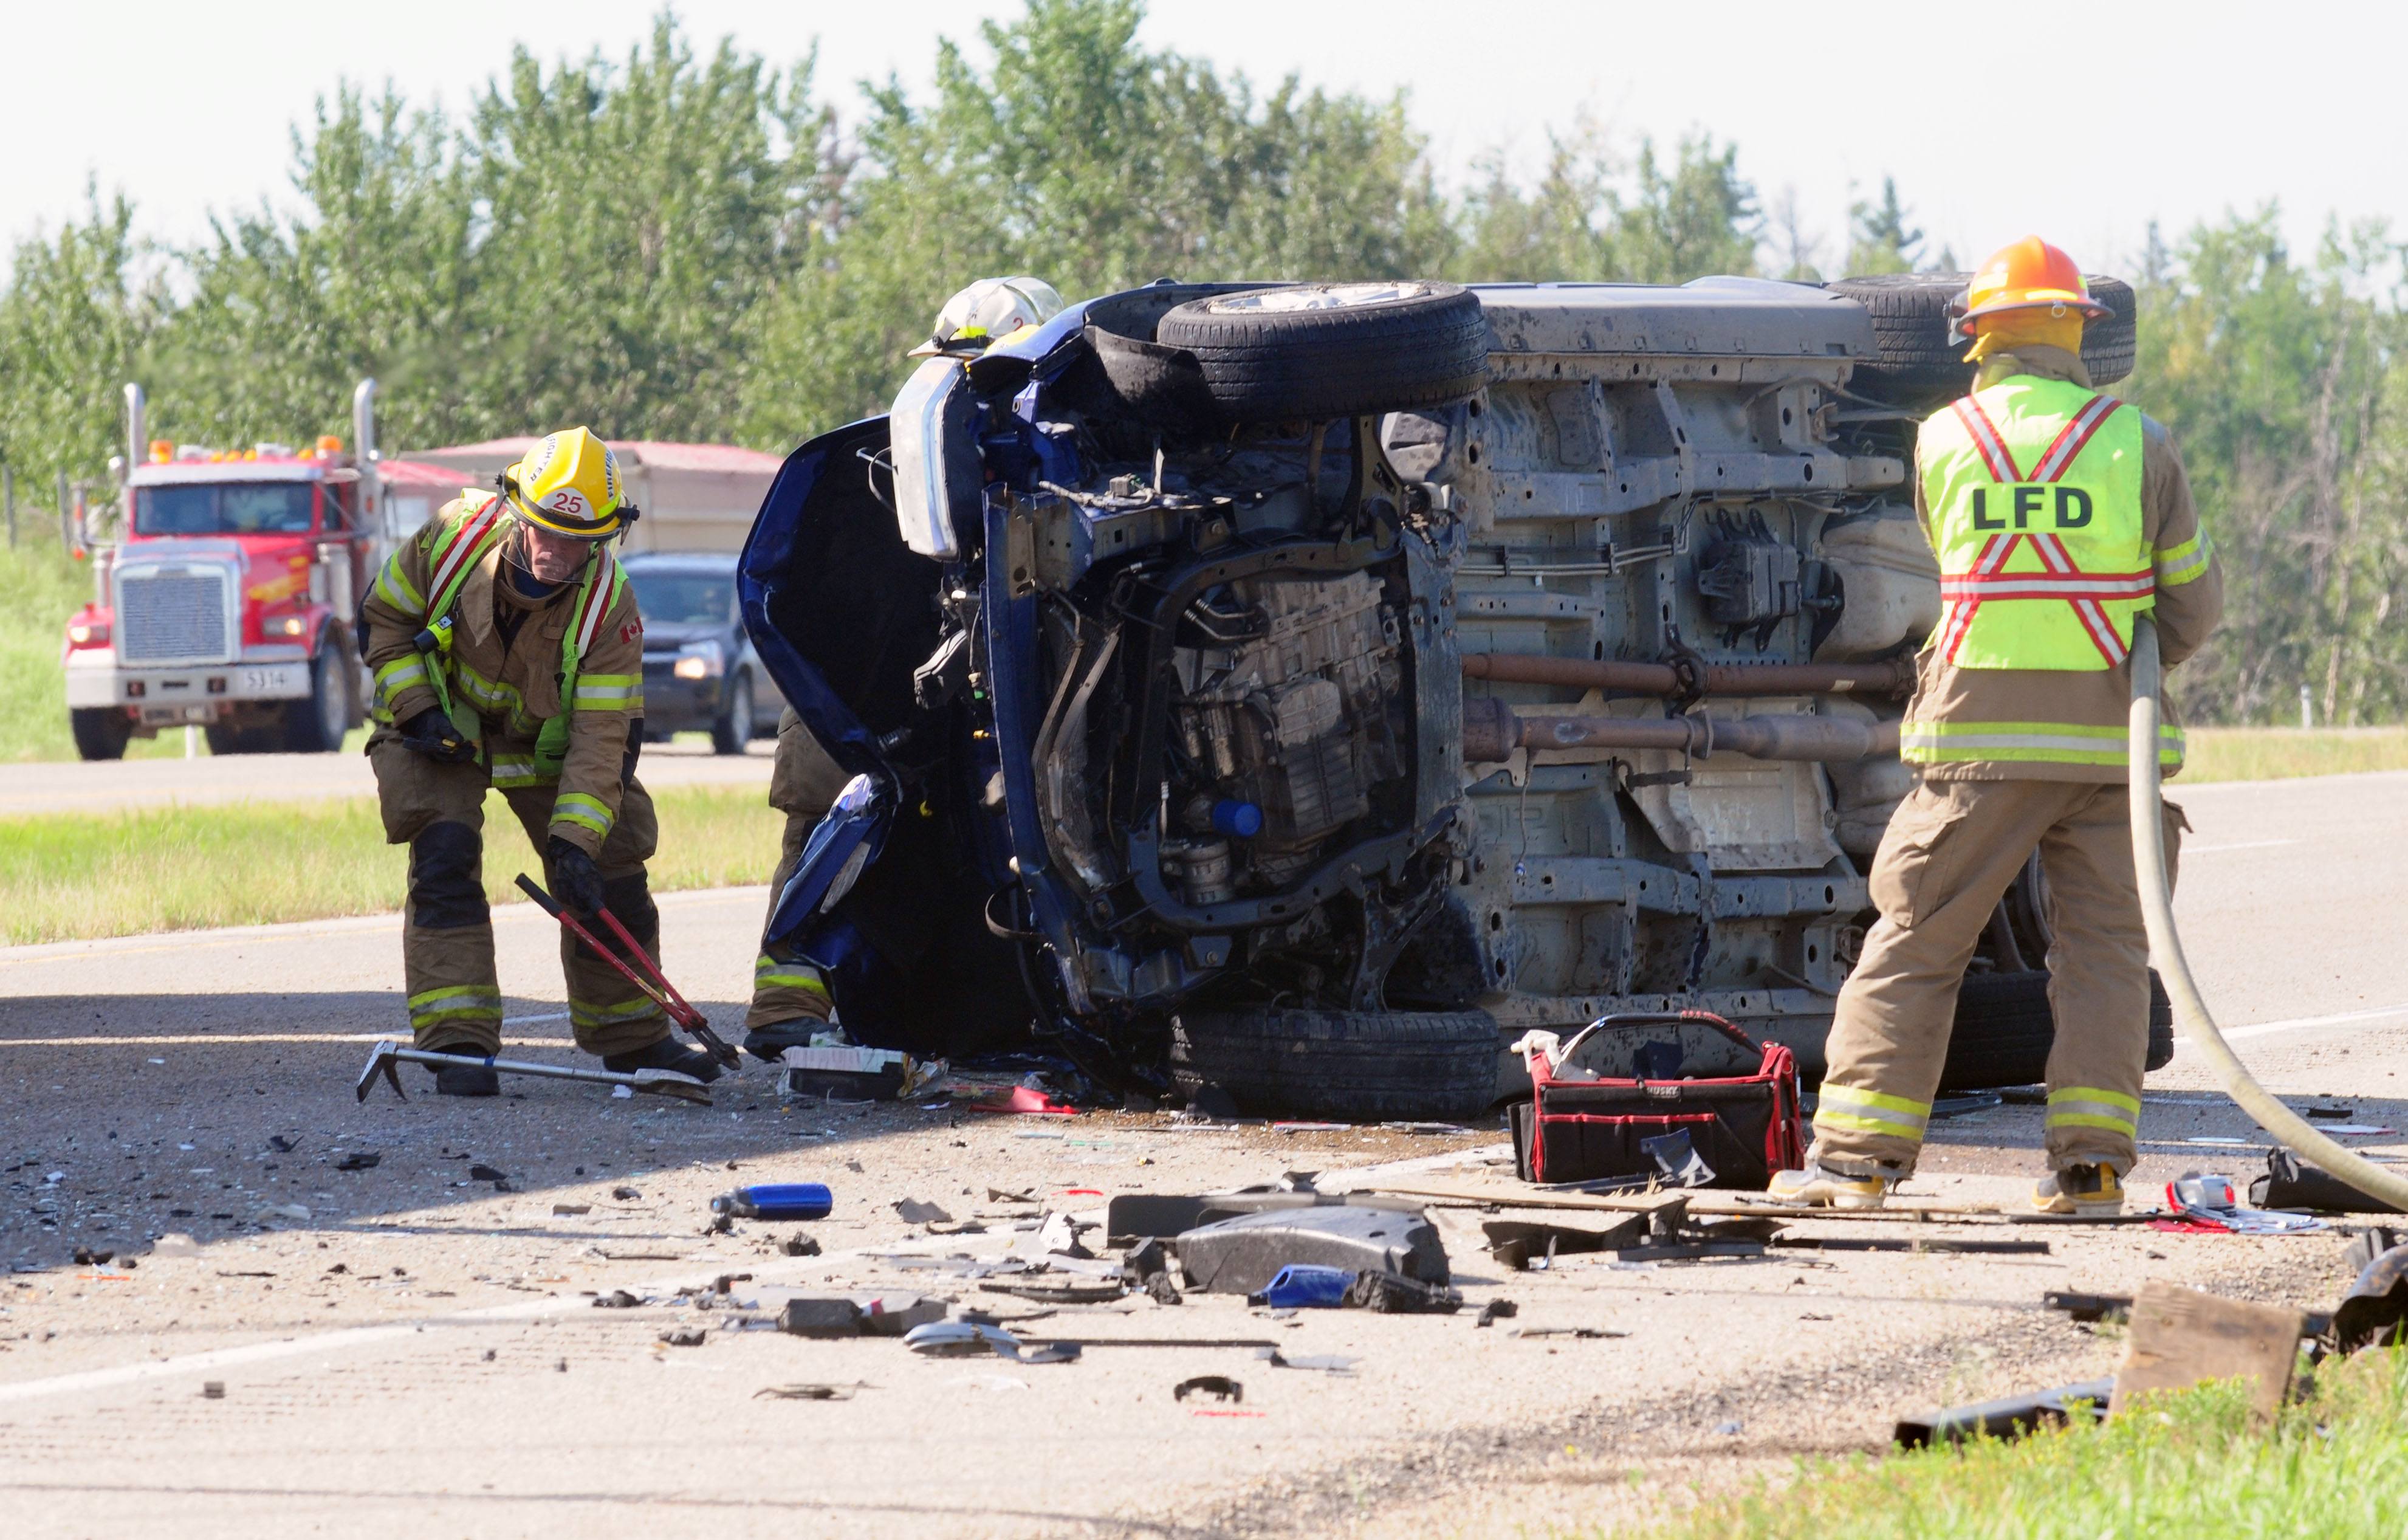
768 1043
668 1053
467 1078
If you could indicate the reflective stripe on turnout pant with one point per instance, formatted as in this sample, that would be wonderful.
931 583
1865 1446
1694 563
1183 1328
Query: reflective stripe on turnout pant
1950 852
447 937
786 988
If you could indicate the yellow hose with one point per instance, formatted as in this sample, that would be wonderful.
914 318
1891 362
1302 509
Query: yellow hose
2166 952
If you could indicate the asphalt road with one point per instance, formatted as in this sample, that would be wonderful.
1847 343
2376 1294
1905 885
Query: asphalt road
109 786
420 1353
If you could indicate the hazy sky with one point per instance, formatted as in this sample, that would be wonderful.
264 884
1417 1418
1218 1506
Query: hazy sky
2093 122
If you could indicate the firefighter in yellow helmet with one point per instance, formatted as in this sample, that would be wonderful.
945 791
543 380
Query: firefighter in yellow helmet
791 1005
2059 514
507 652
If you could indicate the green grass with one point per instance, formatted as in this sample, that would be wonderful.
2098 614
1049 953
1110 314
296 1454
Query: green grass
72 876
2278 753
2183 1466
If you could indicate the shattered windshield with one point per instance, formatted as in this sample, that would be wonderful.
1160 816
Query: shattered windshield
226 508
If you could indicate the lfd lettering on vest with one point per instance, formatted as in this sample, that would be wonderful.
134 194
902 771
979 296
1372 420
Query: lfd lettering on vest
2041 568
2073 507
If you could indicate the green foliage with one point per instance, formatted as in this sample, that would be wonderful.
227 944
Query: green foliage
1585 220
2181 1466
2281 384
1878 240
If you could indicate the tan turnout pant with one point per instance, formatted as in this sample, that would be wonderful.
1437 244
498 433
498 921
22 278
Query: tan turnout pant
447 938
1949 855
803 783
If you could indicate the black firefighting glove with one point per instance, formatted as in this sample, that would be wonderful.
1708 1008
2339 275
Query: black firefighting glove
575 881
434 734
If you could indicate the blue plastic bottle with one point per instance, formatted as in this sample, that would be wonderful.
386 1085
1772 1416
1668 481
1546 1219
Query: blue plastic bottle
777 1201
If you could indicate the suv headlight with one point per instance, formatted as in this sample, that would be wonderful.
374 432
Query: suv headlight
700 660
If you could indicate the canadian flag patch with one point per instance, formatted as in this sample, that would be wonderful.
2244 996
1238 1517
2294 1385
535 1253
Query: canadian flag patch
630 631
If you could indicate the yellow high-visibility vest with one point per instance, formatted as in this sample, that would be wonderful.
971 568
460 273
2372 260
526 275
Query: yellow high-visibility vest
2033 489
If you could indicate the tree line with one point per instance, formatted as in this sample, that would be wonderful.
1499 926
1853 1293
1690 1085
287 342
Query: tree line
691 244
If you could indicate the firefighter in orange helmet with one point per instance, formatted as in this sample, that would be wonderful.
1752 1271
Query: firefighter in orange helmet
2060 515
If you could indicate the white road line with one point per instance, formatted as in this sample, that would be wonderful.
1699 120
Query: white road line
2245 844
2301 1024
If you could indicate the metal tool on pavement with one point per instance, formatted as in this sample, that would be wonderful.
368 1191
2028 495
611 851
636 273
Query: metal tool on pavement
695 1024
386 1058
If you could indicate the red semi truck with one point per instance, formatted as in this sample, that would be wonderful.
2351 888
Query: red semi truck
226 599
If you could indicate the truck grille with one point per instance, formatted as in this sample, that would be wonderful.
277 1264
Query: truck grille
174 615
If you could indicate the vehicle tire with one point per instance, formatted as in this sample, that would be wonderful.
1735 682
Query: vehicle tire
2004 1030
734 728
316 723
101 732
1316 351
1351 1064
1918 365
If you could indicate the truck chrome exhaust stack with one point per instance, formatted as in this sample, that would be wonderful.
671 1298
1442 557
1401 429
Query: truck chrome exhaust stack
364 451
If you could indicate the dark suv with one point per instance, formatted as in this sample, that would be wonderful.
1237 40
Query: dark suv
700 670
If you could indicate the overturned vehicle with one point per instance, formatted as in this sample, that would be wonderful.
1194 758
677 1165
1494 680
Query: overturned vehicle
1306 689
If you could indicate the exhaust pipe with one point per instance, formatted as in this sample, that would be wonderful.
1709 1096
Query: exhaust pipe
1492 730
1893 676
363 451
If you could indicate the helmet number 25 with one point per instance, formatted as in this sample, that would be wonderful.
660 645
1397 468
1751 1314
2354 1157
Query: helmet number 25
566 501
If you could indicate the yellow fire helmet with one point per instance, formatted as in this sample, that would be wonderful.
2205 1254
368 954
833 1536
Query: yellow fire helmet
569 484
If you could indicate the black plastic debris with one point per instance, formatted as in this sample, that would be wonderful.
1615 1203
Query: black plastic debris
1497 1310
1327 1363
359 1160
1516 1243
618 1299
2375 1309
1242 1255
851 1315
2291 1183
1392 1295
487 1173
281 1144
799 1246
2010 1417
1219 1386
1677 1158
805 1392
86 1256
625 1195
685 1336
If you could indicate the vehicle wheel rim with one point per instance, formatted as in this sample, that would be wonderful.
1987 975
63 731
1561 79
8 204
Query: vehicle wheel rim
334 713
1319 296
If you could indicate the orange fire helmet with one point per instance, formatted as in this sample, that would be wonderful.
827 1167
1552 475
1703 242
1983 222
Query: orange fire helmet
2028 275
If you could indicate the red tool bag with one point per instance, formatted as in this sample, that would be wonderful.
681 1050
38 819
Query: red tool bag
1628 1078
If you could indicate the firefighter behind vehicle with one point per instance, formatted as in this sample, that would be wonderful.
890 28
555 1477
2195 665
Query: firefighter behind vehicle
791 1005
2058 515
507 651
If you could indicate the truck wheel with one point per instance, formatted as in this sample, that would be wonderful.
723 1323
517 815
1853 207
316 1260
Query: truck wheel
734 728
1352 1064
1917 363
101 732
317 725
1334 350
2004 1030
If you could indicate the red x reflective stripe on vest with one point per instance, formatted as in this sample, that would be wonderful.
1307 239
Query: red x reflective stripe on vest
2061 579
